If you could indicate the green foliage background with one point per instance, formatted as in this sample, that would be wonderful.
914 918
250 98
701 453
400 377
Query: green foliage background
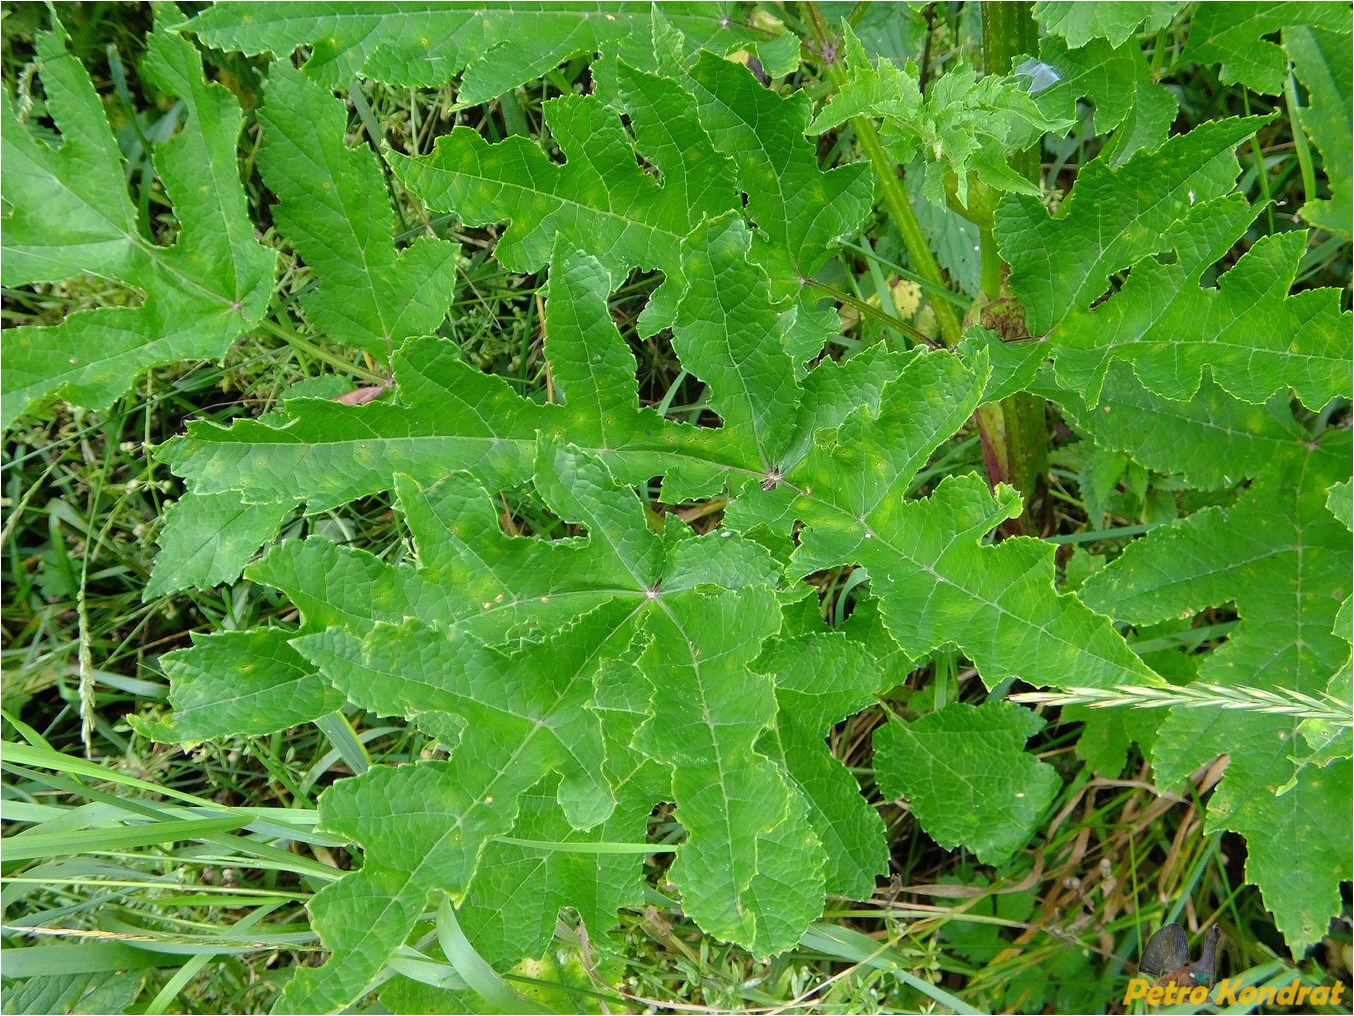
578 424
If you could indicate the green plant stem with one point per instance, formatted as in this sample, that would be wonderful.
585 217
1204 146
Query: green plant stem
907 273
989 279
1009 31
1158 54
1261 170
1015 430
297 341
870 310
1290 94
901 213
895 201
1015 450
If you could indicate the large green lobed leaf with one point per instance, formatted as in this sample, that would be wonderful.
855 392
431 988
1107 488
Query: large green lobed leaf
429 43
576 682
69 213
1167 216
333 206
1282 558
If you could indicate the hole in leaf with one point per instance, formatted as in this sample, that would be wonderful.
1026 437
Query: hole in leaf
520 512
666 387
50 302
839 590
649 168
1224 264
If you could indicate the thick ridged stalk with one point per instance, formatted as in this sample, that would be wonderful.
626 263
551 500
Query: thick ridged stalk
1015 430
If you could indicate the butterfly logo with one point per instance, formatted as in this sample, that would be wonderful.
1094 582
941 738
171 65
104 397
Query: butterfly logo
1166 958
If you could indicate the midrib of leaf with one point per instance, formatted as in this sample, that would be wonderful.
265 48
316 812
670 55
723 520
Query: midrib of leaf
767 155
433 182
1280 445
1144 675
732 835
1236 565
352 241
640 582
759 360
206 108
506 707
673 240
1232 440
701 448
1193 168
71 93
1237 316
1276 286
94 210
155 260
158 255
525 772
375 956
943 760
1303 685
754 799
1280 492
